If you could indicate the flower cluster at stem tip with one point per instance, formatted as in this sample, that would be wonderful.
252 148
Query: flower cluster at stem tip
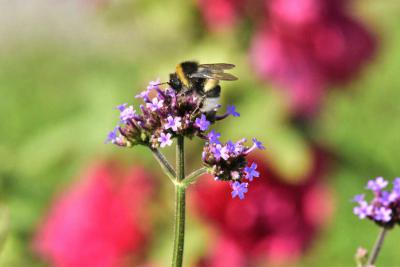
167 114
384 208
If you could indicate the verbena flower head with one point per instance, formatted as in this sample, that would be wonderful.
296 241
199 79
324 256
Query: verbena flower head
227 162
163 115
166 114
384 208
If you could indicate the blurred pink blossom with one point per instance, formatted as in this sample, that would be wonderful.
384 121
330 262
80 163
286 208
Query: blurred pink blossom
306 63
295 13
276 222
219 14
100 221
292 67
226 252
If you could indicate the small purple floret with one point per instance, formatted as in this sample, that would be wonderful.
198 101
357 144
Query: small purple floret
231 147
165 139
127 114
224 153
173 123
155 104
231 110
239 189
153 85
213 137
383 214
122 107
251 172
358 198
112 136
363 210
378 184
396 185
144 95
258 144
202 123
216 151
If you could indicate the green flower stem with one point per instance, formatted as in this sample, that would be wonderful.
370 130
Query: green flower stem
191 178
165 165
180 159
179 239
180 203
377 247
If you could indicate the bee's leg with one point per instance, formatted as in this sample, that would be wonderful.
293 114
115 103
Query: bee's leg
198 105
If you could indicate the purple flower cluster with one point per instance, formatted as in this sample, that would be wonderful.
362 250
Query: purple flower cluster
165 114
384 209
227 162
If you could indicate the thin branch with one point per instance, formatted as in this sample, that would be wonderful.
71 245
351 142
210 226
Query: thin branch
377 247
191 178
165 165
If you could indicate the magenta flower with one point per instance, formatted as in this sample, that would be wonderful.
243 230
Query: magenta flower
99 220
306 52
278 222
219 14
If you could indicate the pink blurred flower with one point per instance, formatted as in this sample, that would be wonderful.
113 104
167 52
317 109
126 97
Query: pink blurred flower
295 13
292 67
341 47
225 253
219 14
276 223
101 221
308 45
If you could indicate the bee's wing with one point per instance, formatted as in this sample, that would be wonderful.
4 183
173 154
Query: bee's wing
217 66
223 76
214 71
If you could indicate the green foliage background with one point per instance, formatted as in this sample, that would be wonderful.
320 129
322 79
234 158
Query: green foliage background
63 69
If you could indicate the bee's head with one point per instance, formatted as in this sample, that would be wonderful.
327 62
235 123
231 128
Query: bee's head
174 82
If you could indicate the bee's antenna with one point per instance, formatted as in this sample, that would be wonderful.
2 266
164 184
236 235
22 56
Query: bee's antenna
162 83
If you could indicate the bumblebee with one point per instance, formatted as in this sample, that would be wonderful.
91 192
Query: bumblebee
203 79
